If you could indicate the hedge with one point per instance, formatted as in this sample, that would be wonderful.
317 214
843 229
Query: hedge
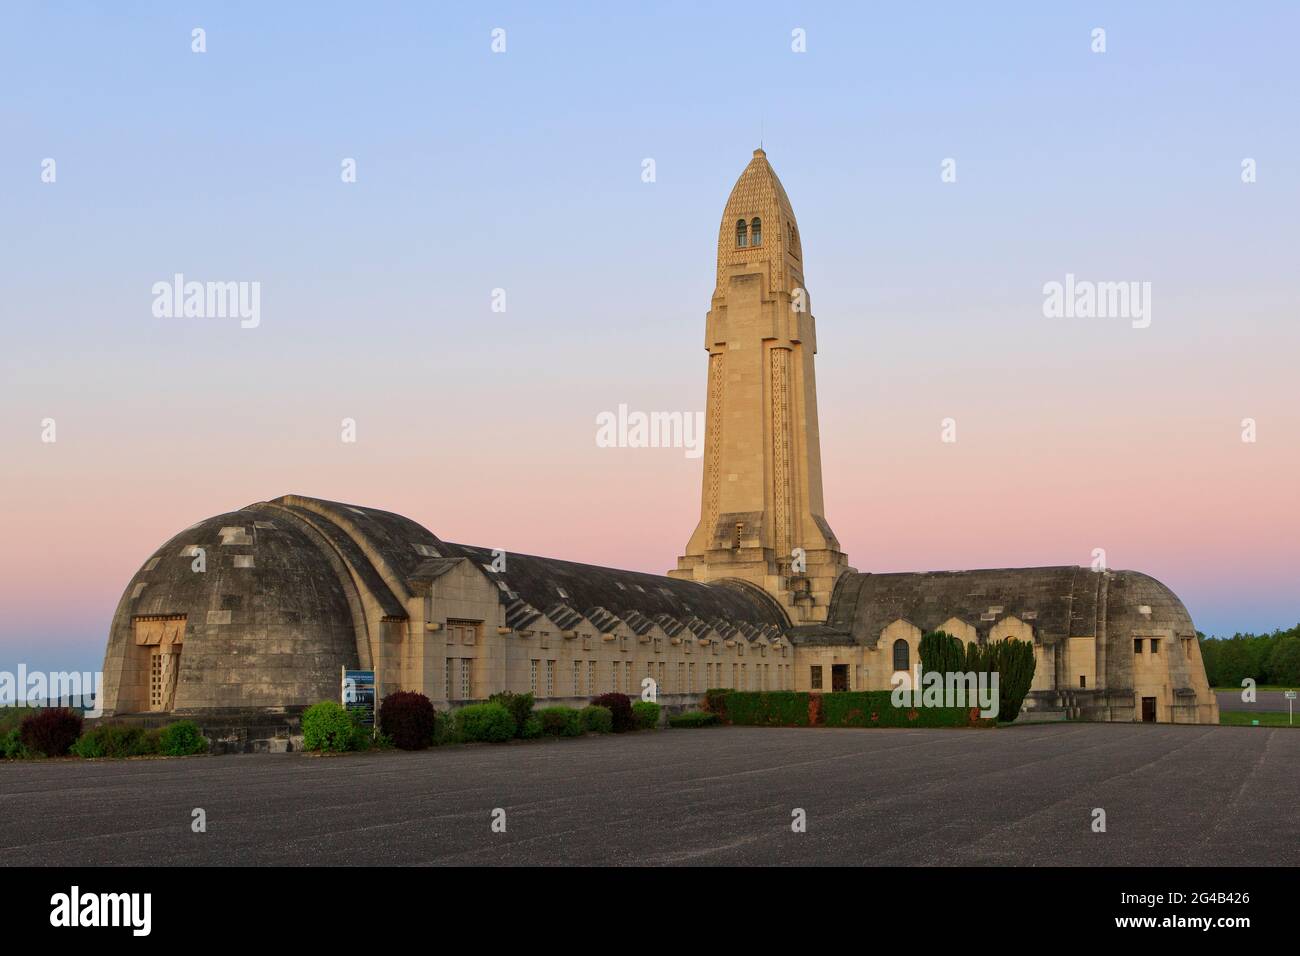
874 708
839 709
444 728
490 723
117 740
645 714
693 718
597 719
560 721
620 708
520 707
327 726
715 702
773 708
182 739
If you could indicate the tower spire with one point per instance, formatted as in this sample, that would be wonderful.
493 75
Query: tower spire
761 510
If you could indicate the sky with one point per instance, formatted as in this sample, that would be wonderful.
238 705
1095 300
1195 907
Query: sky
522 171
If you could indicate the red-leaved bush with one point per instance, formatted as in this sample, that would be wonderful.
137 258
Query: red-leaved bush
407 717
51 731
620 706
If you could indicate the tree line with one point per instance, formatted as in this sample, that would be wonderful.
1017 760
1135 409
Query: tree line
1266 658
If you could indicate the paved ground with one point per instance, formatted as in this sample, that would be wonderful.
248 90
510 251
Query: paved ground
1022 795
1264 700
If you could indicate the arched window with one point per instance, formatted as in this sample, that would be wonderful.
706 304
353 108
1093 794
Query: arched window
902 656
741 236
756 232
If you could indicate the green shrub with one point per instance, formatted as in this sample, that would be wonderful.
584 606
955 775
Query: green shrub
327 726
491 723
182 739
645 715
1013 661
117 740
519 706
11 745
940 651
715 702
367 737
773 708
620 709
560 721
693 718
11 718
597 719
532 728
444 728
50 730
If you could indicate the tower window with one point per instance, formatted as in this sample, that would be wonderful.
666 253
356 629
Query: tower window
742 235
756 232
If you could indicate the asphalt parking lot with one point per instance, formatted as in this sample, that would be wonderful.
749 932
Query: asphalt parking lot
722 796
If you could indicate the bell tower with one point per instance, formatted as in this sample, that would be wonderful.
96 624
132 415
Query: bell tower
761 511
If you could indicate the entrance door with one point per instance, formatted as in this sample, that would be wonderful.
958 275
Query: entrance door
162 677
1148 710
839 677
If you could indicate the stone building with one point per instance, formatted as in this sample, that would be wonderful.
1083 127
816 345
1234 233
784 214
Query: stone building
258 610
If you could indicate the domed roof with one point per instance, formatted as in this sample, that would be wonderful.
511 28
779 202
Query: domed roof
1064 601
261 570
758 194
262 612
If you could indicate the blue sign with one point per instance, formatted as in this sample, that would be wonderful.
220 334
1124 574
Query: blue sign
358 694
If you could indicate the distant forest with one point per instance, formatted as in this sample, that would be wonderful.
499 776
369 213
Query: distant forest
1268 658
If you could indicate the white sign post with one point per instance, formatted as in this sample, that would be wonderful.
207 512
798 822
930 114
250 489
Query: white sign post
1290 705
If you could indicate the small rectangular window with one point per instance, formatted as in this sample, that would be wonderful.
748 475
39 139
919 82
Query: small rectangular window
815 676
1137 645
466 631
1155 645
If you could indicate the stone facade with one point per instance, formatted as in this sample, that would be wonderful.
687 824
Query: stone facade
259 610
294 590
